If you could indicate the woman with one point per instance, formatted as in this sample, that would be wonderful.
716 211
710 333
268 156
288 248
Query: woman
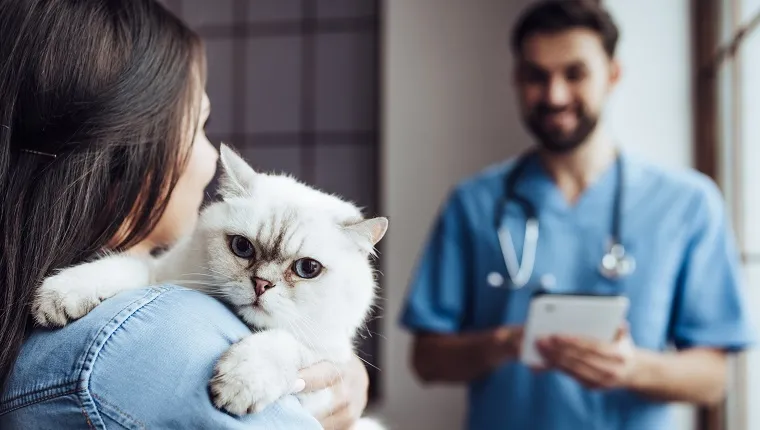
102 148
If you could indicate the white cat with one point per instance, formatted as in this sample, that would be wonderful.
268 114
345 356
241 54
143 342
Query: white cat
293 262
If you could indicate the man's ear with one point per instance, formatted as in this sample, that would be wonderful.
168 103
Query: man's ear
616 71
237 177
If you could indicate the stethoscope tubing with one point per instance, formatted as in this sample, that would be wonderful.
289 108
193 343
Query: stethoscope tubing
520 273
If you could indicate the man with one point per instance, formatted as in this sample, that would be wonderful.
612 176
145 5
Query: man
685 290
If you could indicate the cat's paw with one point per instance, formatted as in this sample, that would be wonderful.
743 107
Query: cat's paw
247 381
61 299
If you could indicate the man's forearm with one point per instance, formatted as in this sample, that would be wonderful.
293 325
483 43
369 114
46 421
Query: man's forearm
463 357
695 376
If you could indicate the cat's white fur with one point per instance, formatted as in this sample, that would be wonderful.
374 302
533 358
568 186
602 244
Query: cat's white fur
299 322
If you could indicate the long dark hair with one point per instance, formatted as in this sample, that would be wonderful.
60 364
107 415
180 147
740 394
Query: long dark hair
95 97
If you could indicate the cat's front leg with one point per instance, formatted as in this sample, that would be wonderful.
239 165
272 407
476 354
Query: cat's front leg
257 371
73 292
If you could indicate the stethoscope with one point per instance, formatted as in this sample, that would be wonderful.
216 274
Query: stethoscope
615 264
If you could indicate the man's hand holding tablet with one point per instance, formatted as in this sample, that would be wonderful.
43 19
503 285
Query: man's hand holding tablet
584 336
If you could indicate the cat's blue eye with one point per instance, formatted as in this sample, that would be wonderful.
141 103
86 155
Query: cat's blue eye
241 247
307 268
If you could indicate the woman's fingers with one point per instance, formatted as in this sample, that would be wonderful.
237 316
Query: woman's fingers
321 375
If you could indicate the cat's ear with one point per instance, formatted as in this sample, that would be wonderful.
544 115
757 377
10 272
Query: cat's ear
368 233
237 177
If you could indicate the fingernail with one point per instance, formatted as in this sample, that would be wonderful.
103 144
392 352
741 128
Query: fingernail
299 385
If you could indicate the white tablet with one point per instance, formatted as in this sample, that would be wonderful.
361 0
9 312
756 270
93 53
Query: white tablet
596 317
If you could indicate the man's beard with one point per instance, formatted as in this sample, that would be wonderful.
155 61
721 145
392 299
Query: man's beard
556 140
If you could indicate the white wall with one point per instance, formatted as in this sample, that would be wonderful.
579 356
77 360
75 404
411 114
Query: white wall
449 110
651 111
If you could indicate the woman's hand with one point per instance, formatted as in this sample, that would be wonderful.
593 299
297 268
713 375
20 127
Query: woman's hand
349 383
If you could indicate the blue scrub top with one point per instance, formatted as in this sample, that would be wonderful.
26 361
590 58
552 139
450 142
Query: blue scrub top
686 290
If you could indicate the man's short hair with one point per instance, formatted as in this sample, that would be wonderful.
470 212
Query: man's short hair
554 16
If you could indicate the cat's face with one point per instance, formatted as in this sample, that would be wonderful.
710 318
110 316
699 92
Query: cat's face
284 255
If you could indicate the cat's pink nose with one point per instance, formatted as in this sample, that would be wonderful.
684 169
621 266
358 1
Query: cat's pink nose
261 286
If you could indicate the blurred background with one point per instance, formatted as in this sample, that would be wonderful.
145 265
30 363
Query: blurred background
390 103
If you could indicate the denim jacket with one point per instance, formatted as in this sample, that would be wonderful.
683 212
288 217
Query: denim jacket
140 360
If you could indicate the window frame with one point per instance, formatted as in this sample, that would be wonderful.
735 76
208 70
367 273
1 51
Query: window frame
718 146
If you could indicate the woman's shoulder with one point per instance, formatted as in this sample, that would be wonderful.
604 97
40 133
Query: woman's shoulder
165 320
136 358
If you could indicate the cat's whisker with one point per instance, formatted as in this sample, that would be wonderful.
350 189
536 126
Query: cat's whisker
373 333
370 364
295 326
216 272
308 319
315 336
198 274
374 317
188 280
294 322
202 286
213 274
364 327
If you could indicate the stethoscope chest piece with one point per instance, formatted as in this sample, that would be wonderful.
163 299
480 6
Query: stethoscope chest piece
616 263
